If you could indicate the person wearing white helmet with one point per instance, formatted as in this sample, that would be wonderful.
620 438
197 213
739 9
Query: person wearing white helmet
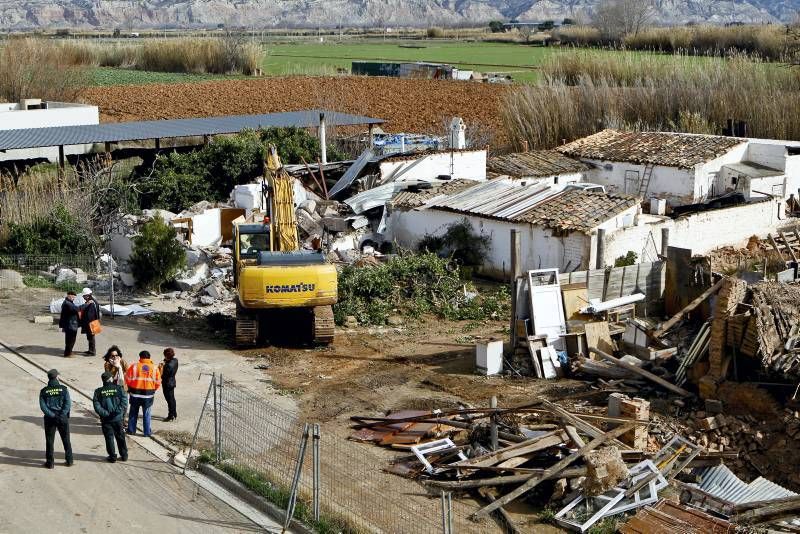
90 312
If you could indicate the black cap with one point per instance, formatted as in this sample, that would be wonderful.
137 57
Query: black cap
106 377
52 373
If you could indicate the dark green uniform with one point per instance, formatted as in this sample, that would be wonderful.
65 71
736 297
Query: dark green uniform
55 404
110 403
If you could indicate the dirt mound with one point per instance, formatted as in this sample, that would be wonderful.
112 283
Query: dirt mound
406 104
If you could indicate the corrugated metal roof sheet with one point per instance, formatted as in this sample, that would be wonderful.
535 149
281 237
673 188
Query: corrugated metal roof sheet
720 482
657 148
415 199
535 164
537 204
135 131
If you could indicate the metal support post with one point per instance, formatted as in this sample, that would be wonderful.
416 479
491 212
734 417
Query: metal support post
600 262
493 424
316 474
323 146
447 513
516 272
216 418
199 422
220 412
111 278
298 470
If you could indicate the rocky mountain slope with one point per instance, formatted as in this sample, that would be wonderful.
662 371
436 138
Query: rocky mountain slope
19 14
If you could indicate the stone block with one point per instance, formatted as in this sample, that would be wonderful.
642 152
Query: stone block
10 279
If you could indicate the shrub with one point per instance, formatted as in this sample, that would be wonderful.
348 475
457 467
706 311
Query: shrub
435 33
412 284
626 260
179 180
59 232
459 242
157 256
496 26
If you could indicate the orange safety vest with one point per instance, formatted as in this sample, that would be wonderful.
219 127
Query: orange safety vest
143 379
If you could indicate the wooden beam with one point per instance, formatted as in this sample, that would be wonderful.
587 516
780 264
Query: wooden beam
545 441
779 507
578 423
573 435
788 247
796 234
506 521
641 372
672 321
573 472
775 246
557 468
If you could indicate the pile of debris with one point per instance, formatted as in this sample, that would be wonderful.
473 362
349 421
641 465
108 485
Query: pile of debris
560 458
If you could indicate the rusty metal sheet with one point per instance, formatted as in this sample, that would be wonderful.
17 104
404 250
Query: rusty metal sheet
667 517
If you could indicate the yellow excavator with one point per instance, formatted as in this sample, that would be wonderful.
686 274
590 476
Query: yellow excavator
281 289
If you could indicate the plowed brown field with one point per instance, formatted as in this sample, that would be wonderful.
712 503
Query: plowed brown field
406 105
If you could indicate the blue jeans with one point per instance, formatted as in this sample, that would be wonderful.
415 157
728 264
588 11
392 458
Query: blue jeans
133 416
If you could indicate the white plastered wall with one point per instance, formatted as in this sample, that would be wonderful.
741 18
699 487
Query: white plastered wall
466 164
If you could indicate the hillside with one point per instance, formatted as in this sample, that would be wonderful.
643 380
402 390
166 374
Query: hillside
22 14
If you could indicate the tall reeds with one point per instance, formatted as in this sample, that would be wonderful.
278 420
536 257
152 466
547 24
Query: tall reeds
583 92
32 67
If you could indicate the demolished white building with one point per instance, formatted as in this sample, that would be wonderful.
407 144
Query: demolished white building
685 168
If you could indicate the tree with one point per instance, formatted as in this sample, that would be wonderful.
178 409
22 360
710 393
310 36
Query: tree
157 256
568 22
617 18
496 26
547 25
526 30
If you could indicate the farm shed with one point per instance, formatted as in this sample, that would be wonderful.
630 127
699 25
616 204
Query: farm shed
36 113
558 228
548 166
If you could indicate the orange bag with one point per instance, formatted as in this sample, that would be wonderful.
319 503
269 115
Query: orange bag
95 327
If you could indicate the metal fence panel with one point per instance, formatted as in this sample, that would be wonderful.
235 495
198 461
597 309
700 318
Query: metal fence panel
255 434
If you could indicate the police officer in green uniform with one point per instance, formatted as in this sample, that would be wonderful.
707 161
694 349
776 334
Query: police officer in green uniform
110 403
55 404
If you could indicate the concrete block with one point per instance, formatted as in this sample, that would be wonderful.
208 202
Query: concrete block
708 423
43 319
10 279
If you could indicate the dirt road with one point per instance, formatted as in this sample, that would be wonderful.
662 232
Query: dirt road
142 495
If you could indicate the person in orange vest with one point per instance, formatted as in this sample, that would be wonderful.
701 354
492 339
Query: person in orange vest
143 380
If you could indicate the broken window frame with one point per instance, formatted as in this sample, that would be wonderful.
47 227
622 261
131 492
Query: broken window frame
432 447
614 502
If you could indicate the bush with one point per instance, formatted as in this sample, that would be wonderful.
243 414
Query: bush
626 260
59 232
435 33
157 256
459 242
413 285
496 26
179 179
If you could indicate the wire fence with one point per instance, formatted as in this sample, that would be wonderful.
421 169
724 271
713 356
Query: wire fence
50 276
246 433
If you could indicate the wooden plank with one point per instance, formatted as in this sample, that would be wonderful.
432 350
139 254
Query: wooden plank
641 372
597 335
576 296
776 508
572 432
788 246
506 521
504 480
557 468
551 439
672 321
578 423
775 246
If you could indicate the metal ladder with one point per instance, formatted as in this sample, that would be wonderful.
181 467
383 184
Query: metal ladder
645 183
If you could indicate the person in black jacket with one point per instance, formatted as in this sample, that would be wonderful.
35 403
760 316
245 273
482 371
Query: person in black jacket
69 322
110 403
169 368
55 404
90 311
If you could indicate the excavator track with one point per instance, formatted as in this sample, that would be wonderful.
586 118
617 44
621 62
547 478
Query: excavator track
246 330
324 325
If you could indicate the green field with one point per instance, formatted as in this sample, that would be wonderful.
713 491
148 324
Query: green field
324 58
315 58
